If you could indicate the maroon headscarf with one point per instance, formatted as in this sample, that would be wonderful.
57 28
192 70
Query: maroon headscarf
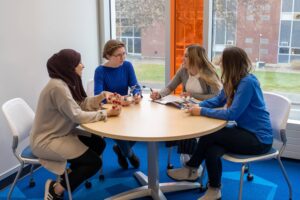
62 66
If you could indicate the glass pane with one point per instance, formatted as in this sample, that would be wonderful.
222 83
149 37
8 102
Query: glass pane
285 32
283 59
296 34
269 34
143 22
220 29
295 51
297 6
127 31
130 45
137 32
287 5
137 45
284 50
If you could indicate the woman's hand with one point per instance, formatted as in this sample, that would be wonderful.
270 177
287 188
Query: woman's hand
114 111
195 110
155 95
110 97
126 100
137 98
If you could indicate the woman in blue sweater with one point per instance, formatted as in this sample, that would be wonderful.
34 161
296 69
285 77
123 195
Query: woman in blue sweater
242 101
117 75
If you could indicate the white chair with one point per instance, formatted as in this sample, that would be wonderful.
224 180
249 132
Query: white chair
90 88
279 108
20 119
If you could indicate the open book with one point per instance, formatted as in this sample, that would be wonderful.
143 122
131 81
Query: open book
175 101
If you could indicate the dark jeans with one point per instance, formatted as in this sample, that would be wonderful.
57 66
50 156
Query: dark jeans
229 139
125 146
87 164
186 146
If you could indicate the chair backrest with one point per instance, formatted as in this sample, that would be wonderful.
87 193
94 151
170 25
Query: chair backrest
279 108
90 88
20 119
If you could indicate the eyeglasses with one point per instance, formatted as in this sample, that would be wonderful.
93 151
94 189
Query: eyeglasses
120 55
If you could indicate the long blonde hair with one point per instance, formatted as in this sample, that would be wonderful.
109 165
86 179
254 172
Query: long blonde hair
235 65
197 58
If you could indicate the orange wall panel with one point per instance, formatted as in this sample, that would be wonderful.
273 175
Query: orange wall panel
186 29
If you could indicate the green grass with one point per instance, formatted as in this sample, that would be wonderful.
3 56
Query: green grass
270 81
151 73
279 81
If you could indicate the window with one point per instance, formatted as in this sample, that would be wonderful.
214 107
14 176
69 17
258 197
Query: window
249 40
141 26
276 45
264 41
296 6
224 20
287 5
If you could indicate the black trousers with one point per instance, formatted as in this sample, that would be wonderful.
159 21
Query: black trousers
229 139
87 164
186 146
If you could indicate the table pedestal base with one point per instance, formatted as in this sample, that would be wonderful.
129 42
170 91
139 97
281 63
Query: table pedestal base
150 184
145 190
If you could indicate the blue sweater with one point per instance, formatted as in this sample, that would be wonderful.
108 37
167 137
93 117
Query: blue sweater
116 79
248 109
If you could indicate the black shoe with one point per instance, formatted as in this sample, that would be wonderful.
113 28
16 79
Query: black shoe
121 158
134 161
49 191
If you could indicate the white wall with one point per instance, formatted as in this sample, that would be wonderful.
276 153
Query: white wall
30 32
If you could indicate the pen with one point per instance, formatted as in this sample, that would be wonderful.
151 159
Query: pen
151 90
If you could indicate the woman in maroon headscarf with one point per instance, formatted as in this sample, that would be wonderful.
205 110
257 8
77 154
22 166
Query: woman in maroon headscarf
62 105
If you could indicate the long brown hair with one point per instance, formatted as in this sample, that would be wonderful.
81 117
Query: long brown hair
62 66
235 65
197 58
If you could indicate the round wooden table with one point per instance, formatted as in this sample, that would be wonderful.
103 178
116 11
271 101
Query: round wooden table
152 122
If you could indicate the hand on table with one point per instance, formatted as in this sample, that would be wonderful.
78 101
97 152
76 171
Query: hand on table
195 110
137 98
110 97
115 110
155 95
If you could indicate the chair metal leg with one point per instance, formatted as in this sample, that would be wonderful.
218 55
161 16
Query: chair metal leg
15 181
68 185
247 170
101 175
242 181
169 166
31 180
285 177
203 187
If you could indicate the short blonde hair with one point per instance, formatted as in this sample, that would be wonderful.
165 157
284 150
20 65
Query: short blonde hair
111 46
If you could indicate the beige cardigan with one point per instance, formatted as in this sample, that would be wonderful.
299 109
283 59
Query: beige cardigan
182 76
53 137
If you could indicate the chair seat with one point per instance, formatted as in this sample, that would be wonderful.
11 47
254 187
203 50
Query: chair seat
240 158
28 156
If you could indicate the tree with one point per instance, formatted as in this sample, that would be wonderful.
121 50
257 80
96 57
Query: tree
140 13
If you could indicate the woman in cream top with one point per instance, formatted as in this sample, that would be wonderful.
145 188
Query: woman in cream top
62 105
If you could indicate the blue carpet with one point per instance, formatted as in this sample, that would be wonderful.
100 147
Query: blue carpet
268 183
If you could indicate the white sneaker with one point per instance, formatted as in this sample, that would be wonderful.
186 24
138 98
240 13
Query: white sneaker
200 170
184 174
212 194
184 158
